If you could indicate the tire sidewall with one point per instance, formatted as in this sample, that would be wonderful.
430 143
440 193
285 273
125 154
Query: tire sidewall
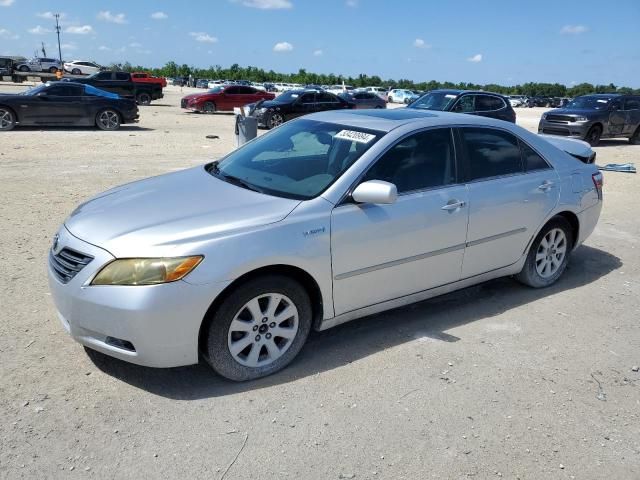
591 142
217 349
144 99
529 275
13 120
107 129
211 110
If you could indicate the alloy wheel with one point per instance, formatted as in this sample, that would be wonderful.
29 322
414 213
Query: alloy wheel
109 120
6 119
551 253
263 330
276 120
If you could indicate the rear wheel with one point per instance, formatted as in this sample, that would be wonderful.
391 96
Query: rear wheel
144 99
635 138
24 68
76 71
548 255
108 120
7 119
259 328
593 135
53 69
390 99
209 107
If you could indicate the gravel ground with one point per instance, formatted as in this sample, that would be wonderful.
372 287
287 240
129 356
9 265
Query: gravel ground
497 380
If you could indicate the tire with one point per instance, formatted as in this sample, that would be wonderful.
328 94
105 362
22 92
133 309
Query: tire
544 264
233 324
24 68
7 119
276 119
76 71
635 138
53 69
390 100
143 99
209 107
108 119
593 135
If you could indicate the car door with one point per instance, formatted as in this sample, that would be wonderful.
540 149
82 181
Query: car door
229 98
303 105
512 189
631 108
382 252
617 117
60 104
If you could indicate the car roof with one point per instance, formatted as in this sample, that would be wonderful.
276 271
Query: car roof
602 95
385 120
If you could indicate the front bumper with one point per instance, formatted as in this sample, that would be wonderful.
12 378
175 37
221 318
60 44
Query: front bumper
564 129
160 323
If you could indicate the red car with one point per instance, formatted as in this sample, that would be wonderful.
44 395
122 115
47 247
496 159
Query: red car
224 97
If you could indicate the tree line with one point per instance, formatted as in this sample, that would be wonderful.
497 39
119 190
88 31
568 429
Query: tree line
255 74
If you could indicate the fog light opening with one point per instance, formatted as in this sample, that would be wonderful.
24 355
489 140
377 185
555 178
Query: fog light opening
119 343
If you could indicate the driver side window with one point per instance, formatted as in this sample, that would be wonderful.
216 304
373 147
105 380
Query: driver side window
423 160
465 104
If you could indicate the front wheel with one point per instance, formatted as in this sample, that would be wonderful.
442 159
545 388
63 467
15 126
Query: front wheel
53 69
276 120
144 99
259 328
7 120
76 71
209 107
593 136
548 255
390 99
108 120
24 68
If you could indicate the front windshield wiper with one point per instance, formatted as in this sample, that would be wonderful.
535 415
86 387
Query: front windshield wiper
215 170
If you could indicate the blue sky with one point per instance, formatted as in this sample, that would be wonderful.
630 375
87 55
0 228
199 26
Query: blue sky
501 41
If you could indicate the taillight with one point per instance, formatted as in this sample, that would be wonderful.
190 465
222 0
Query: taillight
598 181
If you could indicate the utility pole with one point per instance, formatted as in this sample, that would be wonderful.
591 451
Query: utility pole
44 52
58 32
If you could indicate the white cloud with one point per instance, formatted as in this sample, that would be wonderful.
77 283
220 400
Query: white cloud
477 58
352 3
159 16
38 30
267 4
50 15
203 37
107 16
102 48
282 47
420 43
68 46
6 3
317 53
573 29
135 45
79 29
4 33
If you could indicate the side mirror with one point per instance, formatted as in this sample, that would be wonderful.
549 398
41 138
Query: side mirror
375 191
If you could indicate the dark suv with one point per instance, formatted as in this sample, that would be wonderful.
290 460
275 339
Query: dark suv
592 117
485 104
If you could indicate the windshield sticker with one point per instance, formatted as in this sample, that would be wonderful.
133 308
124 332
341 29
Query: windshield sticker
294 95
450 96
602 101
358 137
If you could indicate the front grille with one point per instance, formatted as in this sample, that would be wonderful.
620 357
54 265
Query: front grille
555 131
67 263
560 118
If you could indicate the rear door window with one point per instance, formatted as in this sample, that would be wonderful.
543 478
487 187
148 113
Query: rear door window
632 103
487 103
491 153
122 76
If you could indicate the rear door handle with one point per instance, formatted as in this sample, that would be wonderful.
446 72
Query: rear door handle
453 205
545 186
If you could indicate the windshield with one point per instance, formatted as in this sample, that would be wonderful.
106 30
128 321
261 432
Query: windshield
297 160
589 103
288 96
435 101
216 90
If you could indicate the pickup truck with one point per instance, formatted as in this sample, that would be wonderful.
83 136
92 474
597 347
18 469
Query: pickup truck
122 84
143 77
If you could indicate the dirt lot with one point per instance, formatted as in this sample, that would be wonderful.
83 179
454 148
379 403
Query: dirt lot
494 381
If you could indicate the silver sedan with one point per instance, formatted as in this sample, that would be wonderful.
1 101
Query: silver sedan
325 219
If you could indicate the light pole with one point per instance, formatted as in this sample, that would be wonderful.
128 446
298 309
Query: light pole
58 32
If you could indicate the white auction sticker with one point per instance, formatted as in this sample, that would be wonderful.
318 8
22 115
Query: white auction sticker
359 137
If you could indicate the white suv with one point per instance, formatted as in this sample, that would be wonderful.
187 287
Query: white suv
81 67
39 64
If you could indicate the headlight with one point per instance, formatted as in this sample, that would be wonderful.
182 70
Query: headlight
580 119
146 271
544 116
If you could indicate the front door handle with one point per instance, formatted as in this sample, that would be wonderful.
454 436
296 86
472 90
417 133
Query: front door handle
545 186
453 205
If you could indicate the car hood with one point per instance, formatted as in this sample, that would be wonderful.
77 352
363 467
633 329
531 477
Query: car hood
574 112
196 95
171 212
